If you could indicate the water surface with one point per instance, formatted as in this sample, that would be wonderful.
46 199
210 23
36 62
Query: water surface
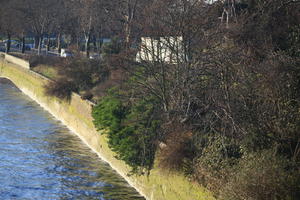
41 159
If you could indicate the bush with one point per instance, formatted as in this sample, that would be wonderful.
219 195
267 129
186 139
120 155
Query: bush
131 129
215 157
77 75
112 47
263 175
61 89
177 152
46 60
83 73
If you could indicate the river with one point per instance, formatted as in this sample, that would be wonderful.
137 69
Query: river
41 159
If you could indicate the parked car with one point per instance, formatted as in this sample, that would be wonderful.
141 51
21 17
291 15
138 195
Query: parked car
95 56
29 46
13 43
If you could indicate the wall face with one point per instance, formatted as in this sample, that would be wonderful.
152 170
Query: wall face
164 49
76 114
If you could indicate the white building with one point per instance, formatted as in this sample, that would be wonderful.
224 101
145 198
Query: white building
161 49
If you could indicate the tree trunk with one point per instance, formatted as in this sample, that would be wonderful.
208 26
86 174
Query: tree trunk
48 45
8 43
23 44
131 11
95 43
127 34
74 39
99 42
87 46
40 45
36 42
59 43
78 46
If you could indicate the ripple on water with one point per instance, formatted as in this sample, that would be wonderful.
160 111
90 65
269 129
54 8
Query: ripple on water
41 159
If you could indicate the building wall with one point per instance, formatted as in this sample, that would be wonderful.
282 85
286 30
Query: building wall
162 49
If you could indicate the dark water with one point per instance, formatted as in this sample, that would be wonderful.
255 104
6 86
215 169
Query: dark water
41 159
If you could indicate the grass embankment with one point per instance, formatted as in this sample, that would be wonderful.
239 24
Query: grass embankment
47 71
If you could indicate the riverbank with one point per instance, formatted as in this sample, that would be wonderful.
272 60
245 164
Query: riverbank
76 115
42 159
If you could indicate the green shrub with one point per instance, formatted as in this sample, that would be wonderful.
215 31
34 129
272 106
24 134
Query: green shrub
132 130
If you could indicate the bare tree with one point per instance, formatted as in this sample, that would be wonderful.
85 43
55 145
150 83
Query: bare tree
128 12
7 22
40 15
85 12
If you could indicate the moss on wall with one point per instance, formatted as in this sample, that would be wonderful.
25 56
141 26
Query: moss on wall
76 114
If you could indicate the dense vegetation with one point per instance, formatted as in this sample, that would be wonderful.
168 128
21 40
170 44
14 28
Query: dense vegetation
132 130
76 75
225 110
229 117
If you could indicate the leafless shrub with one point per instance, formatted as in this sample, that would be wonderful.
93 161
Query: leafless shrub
87 95
261 176
61 89
177 152
46 60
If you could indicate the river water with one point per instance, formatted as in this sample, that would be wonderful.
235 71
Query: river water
41 159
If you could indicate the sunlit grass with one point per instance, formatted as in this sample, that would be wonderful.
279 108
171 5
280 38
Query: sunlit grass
47 71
